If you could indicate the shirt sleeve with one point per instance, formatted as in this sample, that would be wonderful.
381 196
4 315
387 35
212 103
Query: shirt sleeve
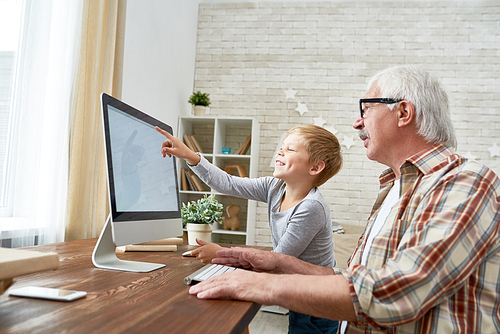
304 224
453 230
249 188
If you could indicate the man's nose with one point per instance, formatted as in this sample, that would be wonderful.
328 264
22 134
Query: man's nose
358 123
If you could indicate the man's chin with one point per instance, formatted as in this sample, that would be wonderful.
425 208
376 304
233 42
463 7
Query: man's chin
370 155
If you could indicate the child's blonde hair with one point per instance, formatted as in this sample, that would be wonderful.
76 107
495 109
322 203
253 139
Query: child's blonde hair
321 145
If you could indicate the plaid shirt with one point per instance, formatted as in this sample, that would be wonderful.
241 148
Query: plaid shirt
435 265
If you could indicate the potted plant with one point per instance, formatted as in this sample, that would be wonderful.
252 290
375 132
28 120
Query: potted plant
199 216
200 102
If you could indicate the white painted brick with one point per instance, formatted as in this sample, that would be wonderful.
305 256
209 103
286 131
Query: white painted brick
248 54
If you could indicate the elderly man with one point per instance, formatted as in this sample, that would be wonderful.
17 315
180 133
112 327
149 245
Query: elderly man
429 259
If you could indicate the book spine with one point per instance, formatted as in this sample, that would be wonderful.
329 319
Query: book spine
187 141
189 180
196 144
196 182
184 181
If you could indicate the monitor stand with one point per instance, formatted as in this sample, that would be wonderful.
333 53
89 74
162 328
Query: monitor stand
104 255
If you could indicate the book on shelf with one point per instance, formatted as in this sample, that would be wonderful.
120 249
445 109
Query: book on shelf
192 143
184 182
198 185
189 143
244 146
196 144
188 179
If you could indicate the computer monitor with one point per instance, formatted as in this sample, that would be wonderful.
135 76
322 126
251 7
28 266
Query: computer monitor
143 189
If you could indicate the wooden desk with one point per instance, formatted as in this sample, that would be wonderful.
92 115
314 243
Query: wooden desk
118 301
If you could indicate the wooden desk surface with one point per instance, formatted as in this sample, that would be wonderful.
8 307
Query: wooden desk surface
119 301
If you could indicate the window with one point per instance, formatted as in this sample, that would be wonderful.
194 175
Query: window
10 22
39 48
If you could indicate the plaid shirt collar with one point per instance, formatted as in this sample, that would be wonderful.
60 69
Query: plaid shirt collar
425 161
416 166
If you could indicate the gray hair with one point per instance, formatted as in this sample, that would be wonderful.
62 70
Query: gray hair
419 87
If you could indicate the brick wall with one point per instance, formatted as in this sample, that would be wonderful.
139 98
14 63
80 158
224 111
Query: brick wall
248 54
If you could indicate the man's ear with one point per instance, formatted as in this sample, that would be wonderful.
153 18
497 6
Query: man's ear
317 168
406 113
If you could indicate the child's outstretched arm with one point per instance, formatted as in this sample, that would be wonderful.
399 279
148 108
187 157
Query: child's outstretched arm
174 146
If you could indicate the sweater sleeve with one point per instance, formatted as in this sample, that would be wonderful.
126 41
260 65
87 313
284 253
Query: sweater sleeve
249 188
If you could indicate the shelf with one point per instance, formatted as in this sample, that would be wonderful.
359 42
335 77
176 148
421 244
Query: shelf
195 192
213 133
230 156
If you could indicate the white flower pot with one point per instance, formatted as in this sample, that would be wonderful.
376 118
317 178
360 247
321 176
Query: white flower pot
200 231
199 110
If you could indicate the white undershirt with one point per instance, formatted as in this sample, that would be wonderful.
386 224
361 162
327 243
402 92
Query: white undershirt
389 202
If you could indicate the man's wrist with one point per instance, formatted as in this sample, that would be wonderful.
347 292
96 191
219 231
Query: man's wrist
284 264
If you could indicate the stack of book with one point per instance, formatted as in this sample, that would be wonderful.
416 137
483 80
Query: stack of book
192 143
189 181
163 245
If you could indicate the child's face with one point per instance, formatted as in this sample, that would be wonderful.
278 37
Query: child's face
292 161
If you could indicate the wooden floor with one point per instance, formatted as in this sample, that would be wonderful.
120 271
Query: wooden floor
266 323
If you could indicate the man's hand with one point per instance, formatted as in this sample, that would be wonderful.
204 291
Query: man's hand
266 261
323 296
174 146
239 284
249 258
206 252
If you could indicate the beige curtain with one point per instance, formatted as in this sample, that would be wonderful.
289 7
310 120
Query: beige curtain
99 70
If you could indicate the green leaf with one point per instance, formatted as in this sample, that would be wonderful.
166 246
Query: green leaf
200 99
206 210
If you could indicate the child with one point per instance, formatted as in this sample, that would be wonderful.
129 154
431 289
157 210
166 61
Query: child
299 217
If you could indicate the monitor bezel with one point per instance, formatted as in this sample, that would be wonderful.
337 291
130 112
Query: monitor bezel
131 216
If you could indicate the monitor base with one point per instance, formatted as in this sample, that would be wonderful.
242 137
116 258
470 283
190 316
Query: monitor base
104 255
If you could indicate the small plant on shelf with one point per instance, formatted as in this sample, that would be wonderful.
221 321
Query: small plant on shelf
200 99
198 216
206 210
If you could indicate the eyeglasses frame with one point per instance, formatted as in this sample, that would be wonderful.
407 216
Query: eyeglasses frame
384 100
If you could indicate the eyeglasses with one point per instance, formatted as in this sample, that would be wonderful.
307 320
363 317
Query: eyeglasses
376 100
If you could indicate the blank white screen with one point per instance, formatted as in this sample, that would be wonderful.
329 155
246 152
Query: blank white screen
143 179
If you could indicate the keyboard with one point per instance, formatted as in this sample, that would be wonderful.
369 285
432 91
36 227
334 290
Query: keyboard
210 270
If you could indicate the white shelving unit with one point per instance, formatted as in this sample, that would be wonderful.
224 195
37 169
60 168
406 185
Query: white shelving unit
213 133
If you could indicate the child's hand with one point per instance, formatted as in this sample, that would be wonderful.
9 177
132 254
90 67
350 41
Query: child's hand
174 146
206 252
